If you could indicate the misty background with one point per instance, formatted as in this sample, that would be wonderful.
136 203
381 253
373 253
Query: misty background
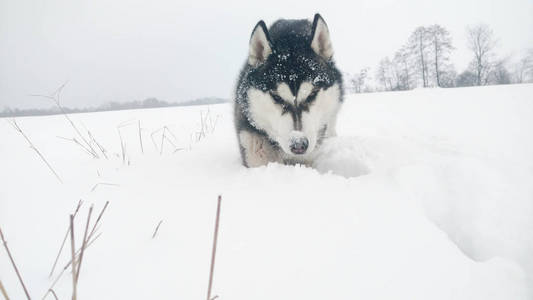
124 51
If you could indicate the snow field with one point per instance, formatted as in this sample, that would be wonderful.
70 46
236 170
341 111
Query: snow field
424 194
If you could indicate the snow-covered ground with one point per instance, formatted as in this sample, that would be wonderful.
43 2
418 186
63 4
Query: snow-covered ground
426 194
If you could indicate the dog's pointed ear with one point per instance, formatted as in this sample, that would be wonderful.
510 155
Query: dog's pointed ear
260 46
321 42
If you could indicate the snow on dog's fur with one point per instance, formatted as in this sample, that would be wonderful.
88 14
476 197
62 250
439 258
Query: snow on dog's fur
288 93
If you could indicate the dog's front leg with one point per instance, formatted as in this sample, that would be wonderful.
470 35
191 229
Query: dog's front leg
256 150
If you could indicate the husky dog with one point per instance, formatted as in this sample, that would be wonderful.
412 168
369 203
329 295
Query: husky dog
288 93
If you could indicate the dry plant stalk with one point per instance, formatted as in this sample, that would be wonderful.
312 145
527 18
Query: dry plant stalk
64 240
14 265
141 138
214 251
75 141
56 280
3 290
54 294
84 244
122 147
55 97
103 183
77 256
72 251
156 229
17 128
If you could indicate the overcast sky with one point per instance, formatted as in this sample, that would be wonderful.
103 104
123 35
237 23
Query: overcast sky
130 50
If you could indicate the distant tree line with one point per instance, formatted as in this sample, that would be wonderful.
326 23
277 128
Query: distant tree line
110 106
424 61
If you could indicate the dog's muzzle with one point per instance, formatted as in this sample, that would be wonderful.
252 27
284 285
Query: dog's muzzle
299 144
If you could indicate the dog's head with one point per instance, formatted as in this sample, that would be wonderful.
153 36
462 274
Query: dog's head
294 90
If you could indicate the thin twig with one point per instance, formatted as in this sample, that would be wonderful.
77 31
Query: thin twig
64 240
17 128
14 265
3 290
72 251
214 251
157 229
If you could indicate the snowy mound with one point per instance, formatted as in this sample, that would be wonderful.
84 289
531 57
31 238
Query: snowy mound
341 156
424 195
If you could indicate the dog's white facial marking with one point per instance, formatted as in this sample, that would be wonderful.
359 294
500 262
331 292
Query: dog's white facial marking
303 92
268 116
285 93
322 112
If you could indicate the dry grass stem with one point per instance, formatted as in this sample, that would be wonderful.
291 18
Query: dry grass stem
84 244
32 146
141 138
72 251
56 280
103 183
54 294
3 290
214 250
14 265
157 229
64 240
55 97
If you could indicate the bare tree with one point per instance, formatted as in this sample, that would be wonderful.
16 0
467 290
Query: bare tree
401 62
383 74
358 80
481 42
419 46
441 46
523 70
499 73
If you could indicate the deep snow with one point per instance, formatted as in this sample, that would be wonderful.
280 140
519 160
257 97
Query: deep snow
426 194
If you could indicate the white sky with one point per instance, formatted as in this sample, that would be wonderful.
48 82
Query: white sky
130 50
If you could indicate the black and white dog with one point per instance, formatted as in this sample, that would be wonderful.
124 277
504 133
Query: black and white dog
288 93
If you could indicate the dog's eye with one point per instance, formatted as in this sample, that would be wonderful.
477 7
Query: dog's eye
277 99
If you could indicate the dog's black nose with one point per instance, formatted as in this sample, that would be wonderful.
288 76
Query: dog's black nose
299 145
